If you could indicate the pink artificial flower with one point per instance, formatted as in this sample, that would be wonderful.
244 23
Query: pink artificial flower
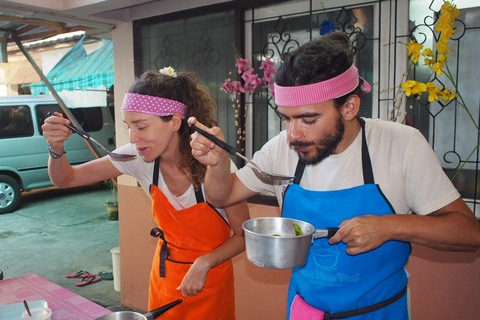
267 64
242 64
237 87
268 71
250 78
227 86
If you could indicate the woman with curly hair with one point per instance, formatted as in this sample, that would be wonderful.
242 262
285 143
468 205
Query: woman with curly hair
196 240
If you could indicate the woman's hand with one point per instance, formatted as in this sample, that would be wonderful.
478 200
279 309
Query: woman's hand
204 149
194 281
55 131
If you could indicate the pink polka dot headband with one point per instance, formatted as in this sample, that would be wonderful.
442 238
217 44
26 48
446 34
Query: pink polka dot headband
154 106
314 93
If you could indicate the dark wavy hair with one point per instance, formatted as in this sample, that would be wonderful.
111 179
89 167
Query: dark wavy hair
318 60
186 89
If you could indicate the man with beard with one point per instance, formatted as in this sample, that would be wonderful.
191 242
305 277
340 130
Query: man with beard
379 182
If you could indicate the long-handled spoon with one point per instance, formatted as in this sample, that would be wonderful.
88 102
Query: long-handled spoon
26 307
233 151
85 135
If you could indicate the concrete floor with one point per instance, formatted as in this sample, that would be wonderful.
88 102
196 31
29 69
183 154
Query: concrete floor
60 231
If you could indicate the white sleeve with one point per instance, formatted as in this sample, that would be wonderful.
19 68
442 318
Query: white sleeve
427 186
263 159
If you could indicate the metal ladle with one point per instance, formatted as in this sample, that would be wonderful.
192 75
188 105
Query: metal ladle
233 151
85 135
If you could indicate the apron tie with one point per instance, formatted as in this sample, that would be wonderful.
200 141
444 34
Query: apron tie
365 310
164 253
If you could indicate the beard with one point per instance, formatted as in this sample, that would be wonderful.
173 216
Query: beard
324 146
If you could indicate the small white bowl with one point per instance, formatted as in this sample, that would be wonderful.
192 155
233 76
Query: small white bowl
38 314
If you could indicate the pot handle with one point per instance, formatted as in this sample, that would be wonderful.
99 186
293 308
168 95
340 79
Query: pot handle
325 233
157 312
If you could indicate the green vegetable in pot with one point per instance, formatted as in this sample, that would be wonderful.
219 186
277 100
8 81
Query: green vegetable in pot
298 230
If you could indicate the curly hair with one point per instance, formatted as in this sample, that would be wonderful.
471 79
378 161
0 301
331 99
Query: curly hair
200 104
318 60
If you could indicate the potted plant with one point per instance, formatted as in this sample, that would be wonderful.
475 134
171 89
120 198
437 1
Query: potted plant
111 204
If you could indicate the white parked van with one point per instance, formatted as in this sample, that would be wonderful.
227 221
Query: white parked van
23 149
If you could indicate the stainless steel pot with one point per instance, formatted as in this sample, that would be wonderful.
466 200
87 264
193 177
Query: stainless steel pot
132 315
271 242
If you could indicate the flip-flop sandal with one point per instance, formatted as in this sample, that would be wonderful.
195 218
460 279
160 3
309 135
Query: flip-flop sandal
88 280
79 274
106 275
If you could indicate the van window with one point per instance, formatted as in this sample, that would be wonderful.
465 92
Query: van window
90 119
15 122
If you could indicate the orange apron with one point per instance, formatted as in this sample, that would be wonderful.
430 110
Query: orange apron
186 235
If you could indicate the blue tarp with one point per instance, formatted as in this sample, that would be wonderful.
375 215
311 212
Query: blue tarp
79 71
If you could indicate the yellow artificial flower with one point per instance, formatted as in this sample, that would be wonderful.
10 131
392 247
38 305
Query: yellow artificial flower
442 23
414 50
413 87
433 91
447 33
407 87
455 12
449 9
428 53
437 67
442 58
449 13
435 62
442 47
429 62
447 95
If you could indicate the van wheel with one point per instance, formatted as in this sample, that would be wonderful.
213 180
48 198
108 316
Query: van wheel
9 194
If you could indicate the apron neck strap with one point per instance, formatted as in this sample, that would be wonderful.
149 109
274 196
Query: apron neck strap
199 195
299 171
156 171
366 161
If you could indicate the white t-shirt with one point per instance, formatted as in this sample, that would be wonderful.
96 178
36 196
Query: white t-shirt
143 172
404 166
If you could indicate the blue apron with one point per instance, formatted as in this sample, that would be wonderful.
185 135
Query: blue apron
370 285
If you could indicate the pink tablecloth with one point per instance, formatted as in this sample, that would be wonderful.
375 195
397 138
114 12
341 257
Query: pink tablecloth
64 303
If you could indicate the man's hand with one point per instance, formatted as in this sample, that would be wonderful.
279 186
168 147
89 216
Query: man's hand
363 233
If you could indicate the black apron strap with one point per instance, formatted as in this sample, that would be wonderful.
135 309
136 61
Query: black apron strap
366 161
157 232
199 195
362 311
164 253
156 172
299 171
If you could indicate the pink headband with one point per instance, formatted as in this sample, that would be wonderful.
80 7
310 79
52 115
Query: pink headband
314 93
154 106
